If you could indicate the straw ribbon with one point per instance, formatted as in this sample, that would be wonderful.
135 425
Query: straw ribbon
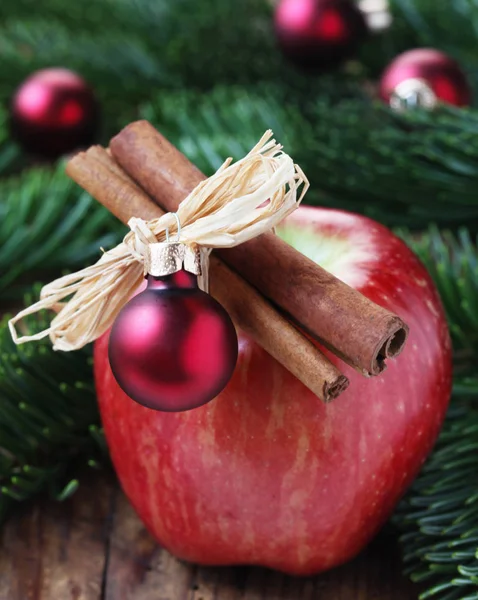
239 202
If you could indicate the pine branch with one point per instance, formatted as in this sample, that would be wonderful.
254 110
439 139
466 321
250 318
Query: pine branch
48 224
439 517
229 120
82 15
146 44
11 158
452 261
206 44
48 419
400 169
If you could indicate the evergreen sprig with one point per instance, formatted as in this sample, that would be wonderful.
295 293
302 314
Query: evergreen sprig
404 170
135 46
48 418
11 158
452 261
439 517
48 224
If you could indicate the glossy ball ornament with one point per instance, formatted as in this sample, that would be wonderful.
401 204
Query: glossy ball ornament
424 77
319 34
54 112
173 347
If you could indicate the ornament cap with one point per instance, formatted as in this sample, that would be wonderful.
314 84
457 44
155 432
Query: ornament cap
166 258
377 14
413 93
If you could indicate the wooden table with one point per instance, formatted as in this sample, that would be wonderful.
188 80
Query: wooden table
93 547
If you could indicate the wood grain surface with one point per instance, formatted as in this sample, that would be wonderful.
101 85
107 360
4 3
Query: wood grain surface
93 547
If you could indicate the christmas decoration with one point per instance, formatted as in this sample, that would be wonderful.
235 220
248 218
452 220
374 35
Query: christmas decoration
319 34
406 169
118 193
54 112
377 14
424 77
359 331
173 347
302 471
238 203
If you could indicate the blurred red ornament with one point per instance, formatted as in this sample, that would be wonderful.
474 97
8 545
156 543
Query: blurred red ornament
424 77
173 347
319 34
54 112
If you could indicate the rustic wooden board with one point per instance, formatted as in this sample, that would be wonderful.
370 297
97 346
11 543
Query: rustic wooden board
93 547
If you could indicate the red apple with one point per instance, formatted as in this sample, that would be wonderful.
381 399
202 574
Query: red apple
268 475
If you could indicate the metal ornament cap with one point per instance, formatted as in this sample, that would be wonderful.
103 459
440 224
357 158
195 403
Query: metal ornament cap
166 258
413 93
377 14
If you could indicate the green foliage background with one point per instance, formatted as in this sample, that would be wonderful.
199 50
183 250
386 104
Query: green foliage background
210 77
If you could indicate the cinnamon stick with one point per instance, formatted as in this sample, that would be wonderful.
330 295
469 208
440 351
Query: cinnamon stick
98 174
362 333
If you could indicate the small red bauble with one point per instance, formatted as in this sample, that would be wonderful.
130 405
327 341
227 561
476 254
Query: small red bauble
54 112
319 34
173 347
424 76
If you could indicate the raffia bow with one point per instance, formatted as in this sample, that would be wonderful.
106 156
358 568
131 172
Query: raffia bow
239 202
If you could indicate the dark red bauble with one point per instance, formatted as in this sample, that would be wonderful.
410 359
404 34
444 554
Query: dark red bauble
439 72
319 34
54 112
173 347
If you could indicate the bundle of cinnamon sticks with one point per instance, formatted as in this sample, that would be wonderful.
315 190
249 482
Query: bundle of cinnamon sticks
143 175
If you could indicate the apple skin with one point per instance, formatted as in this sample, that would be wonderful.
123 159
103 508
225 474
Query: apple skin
268 475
